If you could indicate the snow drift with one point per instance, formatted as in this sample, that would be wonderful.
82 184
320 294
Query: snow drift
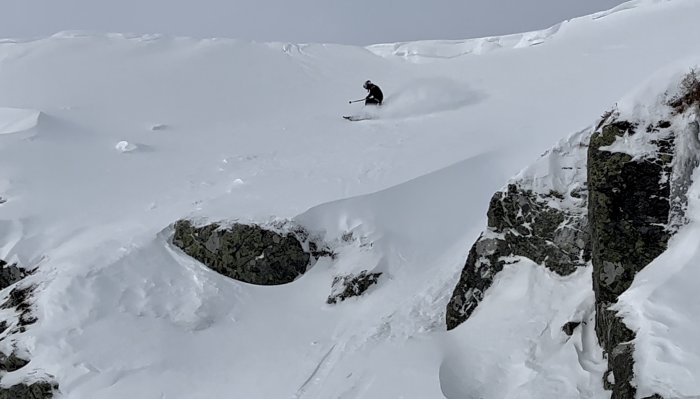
15 120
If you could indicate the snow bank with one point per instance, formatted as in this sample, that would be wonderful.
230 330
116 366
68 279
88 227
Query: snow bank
15 120
447 49
514 345
427 50
662 307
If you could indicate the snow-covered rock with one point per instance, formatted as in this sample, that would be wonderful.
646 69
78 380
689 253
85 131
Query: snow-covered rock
611 196
641 161
125 146
351 285
541 215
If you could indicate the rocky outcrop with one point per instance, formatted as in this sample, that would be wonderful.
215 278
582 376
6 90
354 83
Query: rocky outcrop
629 212
36 390
19 300
618 214
10 274
352 285
537 217
12 363
247 253
639 171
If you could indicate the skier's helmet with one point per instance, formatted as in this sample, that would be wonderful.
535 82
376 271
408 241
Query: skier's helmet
367 84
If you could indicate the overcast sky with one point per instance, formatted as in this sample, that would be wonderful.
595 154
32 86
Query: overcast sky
337 21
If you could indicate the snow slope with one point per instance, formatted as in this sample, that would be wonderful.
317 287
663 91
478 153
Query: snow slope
17 120
227 129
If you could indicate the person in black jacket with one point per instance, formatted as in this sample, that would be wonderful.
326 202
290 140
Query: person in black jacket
375 95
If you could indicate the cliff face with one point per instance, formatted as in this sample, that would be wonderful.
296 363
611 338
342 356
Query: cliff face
639 170
18 315
541 215
612 195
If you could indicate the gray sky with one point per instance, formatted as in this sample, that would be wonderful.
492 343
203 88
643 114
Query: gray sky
337 21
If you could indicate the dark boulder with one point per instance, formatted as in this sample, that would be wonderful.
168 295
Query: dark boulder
570 327
10 274
247 253
352 285
11 363
36 390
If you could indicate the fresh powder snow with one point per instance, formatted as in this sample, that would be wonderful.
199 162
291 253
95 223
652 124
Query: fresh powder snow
107 140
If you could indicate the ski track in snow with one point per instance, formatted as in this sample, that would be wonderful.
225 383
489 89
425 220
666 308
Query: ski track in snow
122 313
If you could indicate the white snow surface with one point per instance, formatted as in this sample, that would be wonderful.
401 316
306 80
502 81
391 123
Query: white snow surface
662 309
254 134
14 120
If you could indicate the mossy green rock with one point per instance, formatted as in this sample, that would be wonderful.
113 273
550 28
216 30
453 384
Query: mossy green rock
247 253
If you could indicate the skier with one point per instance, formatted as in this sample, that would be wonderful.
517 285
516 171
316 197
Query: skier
375 95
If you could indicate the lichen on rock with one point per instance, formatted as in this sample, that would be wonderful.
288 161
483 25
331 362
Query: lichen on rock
640 164
247 252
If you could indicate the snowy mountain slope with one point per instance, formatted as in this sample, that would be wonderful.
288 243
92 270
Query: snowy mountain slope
226 129
435 50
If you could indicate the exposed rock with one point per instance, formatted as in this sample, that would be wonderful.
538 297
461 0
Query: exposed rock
637 201
320 252
570 327
37 390
19 300
10 274
345 287
689 95
530 218
247 253
11 363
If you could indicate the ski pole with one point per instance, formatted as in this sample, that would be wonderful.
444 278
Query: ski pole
357 101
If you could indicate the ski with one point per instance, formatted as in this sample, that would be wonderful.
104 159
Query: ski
356 118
